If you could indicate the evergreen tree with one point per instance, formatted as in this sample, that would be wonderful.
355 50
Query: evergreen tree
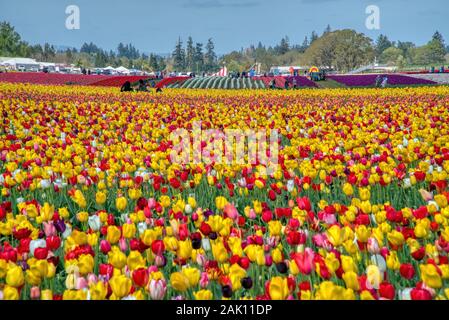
436 49
313 37
305 44
190 54
121 50
382 43
210 58
284 46
179 56
49 52
327 30
198 58
10 41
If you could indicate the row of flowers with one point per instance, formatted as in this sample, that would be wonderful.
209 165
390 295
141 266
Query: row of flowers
370 80
93 208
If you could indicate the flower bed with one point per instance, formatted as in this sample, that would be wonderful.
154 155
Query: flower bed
370 80
93 206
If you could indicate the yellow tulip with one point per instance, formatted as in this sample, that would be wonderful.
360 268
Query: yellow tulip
430 276
278 288
192 274
121 203
120 285
203 295
351 280
179 281
15 277
113 234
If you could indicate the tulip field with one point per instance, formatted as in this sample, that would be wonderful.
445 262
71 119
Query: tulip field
93 208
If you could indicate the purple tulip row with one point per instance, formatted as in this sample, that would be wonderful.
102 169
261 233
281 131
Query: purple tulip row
302 81
370 80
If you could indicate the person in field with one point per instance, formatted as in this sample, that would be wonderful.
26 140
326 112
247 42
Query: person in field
126 87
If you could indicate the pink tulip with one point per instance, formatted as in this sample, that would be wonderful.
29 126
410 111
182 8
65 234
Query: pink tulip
91 279
268 260
157 289
252 214
200 259
329 218
151 203
123 245
230 211
49 229
105 246
35 292
304 260
81 283
373 246
204 280
319 239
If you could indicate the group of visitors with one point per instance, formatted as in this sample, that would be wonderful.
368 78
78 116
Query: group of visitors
287 84
143 86
381 81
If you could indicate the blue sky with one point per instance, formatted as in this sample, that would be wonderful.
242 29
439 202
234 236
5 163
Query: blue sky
154 25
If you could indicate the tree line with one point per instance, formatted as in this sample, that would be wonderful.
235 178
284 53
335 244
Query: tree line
342 49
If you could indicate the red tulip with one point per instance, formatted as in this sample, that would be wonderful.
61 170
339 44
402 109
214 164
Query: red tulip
267 216
105 246
41 253
419 254
140 277
53 242
158 247
386 290
205 228
420 294
271 195
407 271
304 203
106 269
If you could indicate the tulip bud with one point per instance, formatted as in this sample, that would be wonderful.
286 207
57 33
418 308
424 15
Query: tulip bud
157 289
105 246
123 245
373 246
81 283
91 279
35 292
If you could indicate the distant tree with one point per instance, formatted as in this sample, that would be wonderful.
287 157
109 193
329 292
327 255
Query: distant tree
342 49
284 46
179 56
305 44
400 62
190 54
49 52
436 49
382 43
10 41
69 55
327 30
313 37
438 37
210 58
406 48
89 48
198 57
121 50
391 55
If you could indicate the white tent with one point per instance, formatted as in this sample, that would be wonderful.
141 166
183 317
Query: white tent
24 64
109 68
122 69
